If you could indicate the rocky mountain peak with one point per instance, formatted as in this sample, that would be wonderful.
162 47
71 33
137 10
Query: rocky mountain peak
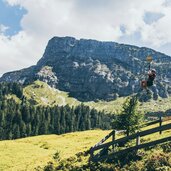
91 69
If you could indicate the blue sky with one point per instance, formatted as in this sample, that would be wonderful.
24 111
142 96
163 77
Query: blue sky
10 16
27 25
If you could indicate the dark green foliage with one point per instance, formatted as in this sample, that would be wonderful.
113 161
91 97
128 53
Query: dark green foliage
129 119
133 161
166 147
157 162
22 120
11 88
49 167
56 156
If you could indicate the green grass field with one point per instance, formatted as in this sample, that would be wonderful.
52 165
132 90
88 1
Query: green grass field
29 153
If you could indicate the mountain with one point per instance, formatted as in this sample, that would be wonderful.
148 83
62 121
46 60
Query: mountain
93 70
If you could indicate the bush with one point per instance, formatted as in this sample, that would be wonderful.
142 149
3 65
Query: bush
157 161
166 147
45 145
56 156
135 166
49 167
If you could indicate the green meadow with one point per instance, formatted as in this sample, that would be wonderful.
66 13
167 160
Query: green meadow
35 152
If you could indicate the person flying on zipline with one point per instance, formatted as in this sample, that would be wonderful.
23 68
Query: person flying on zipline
150 81
151 75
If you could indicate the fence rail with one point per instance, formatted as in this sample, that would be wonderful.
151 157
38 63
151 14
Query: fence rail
137 147
101 146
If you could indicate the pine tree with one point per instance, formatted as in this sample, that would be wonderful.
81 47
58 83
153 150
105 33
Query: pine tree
68 118
43 128
16 131
2 118
9 135
78 117
28 130
63 121
26 113
1 133
57 120
87 119
93 115
52 120
17 89
23 129
129 119
72 122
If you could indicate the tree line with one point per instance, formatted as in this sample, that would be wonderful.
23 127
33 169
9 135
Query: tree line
19 120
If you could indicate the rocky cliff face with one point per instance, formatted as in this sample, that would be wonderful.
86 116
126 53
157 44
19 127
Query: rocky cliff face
92 70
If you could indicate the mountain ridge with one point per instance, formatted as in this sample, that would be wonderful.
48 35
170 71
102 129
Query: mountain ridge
93 70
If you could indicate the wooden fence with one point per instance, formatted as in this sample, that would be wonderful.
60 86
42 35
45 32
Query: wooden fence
104 148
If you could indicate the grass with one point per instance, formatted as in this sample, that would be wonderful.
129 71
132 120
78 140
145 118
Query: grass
156 136
14 97
29 153
40 93
162 105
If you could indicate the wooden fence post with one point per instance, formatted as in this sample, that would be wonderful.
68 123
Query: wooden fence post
91 154
160 123
138 140
113 139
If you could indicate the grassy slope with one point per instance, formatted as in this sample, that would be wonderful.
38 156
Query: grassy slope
40 93
28 153
14 97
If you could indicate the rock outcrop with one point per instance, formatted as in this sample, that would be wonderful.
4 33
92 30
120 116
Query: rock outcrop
92 70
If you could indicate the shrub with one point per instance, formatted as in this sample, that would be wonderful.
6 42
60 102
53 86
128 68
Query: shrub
166 147
49 167
45 145
56 156
156 161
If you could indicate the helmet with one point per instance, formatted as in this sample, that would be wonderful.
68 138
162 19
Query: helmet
153 70
149 58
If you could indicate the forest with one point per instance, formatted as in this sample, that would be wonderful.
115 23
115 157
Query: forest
22 119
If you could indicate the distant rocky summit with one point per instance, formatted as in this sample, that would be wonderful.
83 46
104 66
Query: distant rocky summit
95 70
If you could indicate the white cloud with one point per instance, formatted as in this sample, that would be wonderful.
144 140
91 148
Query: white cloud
3 28
18 51
97 19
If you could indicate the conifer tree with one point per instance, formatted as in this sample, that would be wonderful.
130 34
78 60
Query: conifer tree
16 131
28 129
23 129
129 119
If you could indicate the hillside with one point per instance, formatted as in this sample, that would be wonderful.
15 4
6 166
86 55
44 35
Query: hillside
37 151
31 152
40 93
91 70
